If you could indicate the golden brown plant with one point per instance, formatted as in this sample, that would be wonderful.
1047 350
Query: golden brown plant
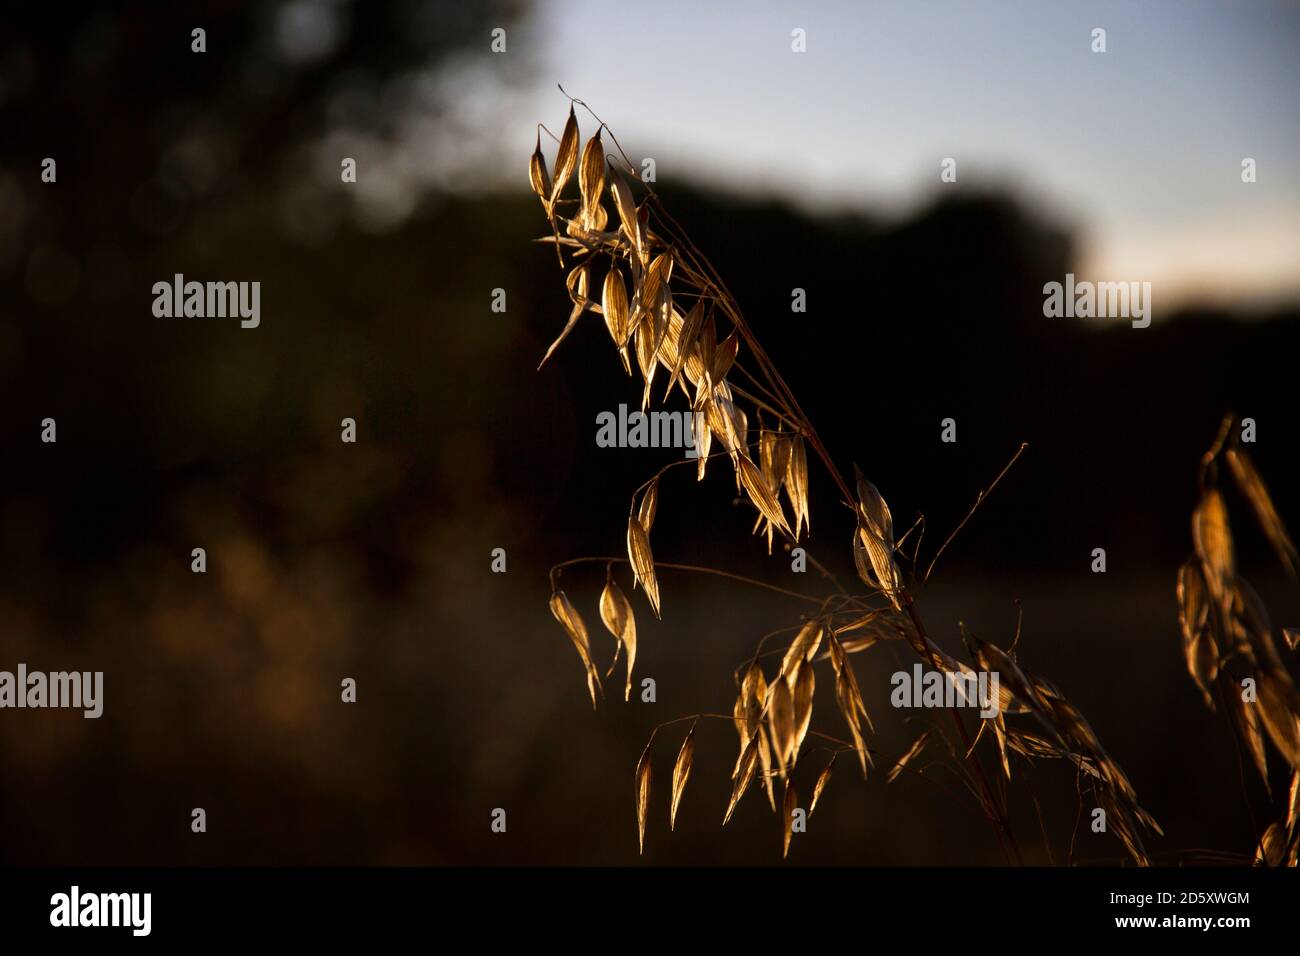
1228 638
662 301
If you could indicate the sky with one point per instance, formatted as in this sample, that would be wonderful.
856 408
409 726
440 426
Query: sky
1138 149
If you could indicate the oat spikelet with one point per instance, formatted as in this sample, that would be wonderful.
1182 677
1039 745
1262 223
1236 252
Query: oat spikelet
803 647
650 290
646 362
1000 735
743 777
875 535
538 176
789 805
1279 709
780 721
804 686
703 438
729 423
1199 647
765 767
1246 719
849 699
577 285
591 180
681 773
616 613
643 564
917 746
796 484
1213 539
769 461
649 506
626 207
749 708
613 303
724 356
1256 492
1271 850
643 793
685 342
567 156
760 494
822 779
572 622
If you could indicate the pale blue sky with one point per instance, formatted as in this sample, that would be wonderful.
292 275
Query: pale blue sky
1139 148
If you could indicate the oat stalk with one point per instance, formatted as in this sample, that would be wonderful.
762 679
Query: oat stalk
672 319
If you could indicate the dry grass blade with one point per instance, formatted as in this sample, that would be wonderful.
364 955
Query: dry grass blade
616 613
1256 492
643 793
822 779
681 773
643 564
917 746
566 157
788 807
574 626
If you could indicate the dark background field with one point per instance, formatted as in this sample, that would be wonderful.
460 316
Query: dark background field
372 560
